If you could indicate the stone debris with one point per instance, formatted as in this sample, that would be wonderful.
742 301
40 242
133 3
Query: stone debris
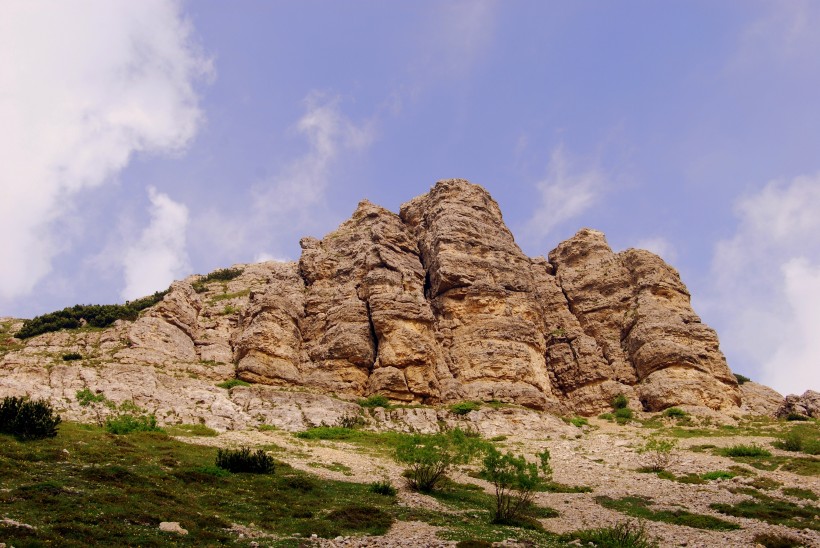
172 527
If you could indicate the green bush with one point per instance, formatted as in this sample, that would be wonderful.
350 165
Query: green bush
28 420
796 417
621 535
244 460
624 414
515 481
430 457
741 379
233 382
376 400
221 275
619 402
125 423
745 451
578 421
86 397
383 487
94 315
464 407
791 441
606 416
71 356
717 474
675 413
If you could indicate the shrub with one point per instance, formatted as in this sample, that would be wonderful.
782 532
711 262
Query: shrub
233 382
28 420
623 414
619 402
464 407
621 535
745 451
350 421
71 356
796 417
774 540
742 379
86 397
376 400
717 474
244 460
578 421
430 457
125 423
606 416
383 487
94 315
675 413
658 453
792 441
221 275
515 481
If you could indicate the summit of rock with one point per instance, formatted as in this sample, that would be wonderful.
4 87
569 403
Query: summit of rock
434 304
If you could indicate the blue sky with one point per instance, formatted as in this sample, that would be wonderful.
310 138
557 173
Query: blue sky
144 141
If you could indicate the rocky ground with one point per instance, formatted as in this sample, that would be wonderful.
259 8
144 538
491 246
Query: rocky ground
602 455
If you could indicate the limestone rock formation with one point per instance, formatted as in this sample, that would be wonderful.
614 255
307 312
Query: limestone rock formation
807 405
435 304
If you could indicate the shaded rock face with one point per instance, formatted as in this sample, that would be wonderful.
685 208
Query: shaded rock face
807 405
436 304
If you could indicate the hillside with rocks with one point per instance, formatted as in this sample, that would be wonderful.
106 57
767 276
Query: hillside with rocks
433 305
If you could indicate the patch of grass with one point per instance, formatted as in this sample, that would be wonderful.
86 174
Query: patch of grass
639 507
675 413
226 296
221 275
328 433
774 540
199 430
806 494
578 421
764 483
233 382
383 487
126 423
361 518
625 534
86 397
718 475
606 416
498 438
376 400
624 415
742 450
72 356
464 407
773 510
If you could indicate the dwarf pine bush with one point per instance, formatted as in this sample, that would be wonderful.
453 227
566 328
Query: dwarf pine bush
244 460
28 420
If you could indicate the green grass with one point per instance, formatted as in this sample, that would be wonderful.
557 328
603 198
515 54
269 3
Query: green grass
718 475
191 430
114 490
376 400
621 535
773 510
806 494
745 451
233 382
464 407
639 507
227 296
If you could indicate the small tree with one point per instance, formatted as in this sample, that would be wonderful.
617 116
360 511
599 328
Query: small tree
659 453
515 481
430 457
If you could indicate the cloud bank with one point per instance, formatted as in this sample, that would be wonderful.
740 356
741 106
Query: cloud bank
159 256
768 278
84 88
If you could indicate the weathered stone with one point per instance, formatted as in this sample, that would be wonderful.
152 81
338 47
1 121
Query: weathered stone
807 405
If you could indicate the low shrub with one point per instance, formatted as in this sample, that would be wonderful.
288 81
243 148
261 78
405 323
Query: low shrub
376 400
383 487
28 420
221 275
791 441
796 417
606 416
125 423
86 397
233 382
619 402
717 475
464 407
774 540
622 535
675 413
72 356
742 379
350 420
243 460
741 450
430 457
659 453
624 414
578 421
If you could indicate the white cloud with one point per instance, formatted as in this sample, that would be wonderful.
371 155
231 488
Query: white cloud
159 257
566 192
768 281
659 246
84 87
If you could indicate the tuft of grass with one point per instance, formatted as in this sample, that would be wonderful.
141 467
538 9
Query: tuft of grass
772 510
126 423
199 430
578 421
718 475
774 540
623 415
741 450
625 534
464 407
606 416
675 413
328 433
639 507
86 397
383 487
233 382
376 400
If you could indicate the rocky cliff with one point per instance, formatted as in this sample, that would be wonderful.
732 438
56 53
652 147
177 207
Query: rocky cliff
435 304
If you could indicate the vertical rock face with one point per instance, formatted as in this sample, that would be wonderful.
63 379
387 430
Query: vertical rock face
436 304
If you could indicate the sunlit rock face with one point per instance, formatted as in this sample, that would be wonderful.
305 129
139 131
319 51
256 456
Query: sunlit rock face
435 304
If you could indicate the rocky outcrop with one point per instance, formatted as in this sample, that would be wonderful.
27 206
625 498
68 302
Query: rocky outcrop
435 304
759 400
807 405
